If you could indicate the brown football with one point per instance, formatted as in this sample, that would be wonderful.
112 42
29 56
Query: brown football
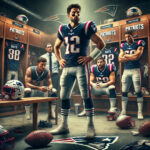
39 138
144 129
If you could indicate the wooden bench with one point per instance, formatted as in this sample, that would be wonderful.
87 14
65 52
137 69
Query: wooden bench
34 101
101 103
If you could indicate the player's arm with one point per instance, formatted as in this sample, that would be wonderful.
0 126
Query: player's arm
92 78
100 45
136 55
57 47
121 57
111 79
28 80
49 82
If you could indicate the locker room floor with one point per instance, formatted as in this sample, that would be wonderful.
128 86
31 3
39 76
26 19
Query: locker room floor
104 130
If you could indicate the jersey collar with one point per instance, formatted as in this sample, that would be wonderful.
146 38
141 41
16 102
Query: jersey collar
70 28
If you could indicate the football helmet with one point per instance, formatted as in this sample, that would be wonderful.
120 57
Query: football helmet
5 138
133 12
144 129
125 122
22 18
13 89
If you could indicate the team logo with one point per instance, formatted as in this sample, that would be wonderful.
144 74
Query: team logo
98 143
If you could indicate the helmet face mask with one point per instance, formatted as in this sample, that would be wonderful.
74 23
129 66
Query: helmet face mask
13 89
9 90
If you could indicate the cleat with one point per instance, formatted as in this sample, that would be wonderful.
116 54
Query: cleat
140 116
90 132
60 130
44 124
82 114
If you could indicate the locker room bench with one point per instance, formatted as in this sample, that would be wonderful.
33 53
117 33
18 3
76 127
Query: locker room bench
101 103
35 102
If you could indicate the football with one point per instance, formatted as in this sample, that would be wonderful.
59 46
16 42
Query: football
144 129
125 122
39 138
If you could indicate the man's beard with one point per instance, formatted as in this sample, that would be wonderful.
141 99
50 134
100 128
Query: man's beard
75 21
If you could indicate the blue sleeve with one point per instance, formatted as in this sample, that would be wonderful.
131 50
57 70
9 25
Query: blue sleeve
90 29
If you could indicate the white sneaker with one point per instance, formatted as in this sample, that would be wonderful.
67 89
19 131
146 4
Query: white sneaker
28 116
140 116
90 131
81 114
60 130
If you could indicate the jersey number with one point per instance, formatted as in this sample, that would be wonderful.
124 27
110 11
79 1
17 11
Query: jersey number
130 52
109 59
14 54
71 47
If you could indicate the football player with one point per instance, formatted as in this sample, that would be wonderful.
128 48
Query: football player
102 80
76 37
130 54
14 50
34 78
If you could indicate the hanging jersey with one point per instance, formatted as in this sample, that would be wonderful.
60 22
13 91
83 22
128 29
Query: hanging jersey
103 76
76 41
13 52
131 49
110 55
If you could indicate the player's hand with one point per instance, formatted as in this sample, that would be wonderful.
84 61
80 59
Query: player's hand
62 63
43 88
84 59
49 89
98 85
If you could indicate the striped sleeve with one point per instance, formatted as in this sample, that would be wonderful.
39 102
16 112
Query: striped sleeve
90 28
92 69
59 34
140 43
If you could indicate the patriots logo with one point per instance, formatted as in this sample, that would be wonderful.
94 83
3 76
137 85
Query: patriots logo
98 143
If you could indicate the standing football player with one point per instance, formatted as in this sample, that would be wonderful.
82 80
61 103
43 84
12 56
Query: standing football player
130 54
76 37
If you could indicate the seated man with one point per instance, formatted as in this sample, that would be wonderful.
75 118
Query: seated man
34 78
102 79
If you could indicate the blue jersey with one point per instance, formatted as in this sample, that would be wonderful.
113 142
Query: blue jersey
76 41
103 76
131 49
13 52
110 55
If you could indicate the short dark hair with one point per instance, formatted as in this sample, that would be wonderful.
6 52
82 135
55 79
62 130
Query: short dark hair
41 59
131 32
73 6
47 44
101 58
